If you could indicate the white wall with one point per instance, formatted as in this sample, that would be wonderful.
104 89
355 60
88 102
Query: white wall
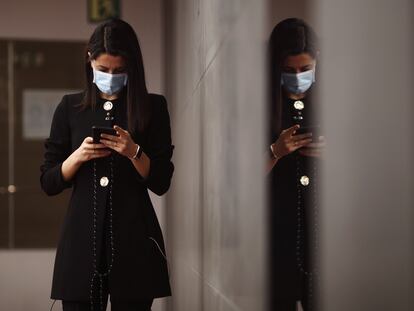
25 275
216 222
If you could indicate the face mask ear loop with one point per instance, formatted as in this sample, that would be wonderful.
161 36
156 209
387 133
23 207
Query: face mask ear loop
314 74
94 75
93 71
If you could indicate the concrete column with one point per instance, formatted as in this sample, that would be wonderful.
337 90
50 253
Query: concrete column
216 211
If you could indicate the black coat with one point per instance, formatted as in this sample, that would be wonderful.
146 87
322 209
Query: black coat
139 269
293 209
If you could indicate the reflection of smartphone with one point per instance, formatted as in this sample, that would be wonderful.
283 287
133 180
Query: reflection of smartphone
314 129
98 130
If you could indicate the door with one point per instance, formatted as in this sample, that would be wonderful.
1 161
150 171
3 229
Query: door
34 76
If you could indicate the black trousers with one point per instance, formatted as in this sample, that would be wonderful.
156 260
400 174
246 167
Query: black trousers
115 306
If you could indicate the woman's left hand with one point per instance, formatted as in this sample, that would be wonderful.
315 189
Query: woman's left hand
314 150
123 144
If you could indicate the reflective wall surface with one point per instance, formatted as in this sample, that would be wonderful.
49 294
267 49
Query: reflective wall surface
368 237
215 221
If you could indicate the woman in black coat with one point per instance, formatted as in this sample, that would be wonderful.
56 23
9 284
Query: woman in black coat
295 149
111 241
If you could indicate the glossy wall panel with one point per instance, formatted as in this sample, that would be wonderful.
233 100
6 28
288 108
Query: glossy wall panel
216 216
368 215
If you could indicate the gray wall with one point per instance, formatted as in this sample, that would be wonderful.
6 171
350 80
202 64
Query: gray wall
215 217
368 239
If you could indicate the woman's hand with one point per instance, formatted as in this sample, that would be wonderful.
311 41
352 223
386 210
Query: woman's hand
314 150
288 142
123 144
88 151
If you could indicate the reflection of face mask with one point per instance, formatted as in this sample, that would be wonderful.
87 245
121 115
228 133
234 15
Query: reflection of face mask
298 83
109 83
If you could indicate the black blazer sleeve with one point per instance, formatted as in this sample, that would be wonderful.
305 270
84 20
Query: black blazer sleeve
159 149
58 148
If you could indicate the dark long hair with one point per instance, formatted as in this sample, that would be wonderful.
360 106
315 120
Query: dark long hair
290 37
116 37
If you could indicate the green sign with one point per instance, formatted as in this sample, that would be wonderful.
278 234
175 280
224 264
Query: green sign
101 10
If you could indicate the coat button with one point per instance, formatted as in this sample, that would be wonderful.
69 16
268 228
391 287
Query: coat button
304 180
108 106
299 105
104 181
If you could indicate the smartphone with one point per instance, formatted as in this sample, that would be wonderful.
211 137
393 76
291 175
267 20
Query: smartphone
98 130
314 129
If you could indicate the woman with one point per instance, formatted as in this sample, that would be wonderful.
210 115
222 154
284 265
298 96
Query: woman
111 242
292 165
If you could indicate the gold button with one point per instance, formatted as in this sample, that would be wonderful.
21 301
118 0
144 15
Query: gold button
304 180
108 106
104 181
12 188
299 105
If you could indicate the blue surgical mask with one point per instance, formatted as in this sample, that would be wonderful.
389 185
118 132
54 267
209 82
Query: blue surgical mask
109 83
298 83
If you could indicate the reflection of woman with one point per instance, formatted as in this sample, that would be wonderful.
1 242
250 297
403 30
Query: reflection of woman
111 241
292 165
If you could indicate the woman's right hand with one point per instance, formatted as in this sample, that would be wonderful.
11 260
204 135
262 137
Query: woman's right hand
88 151
288 142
